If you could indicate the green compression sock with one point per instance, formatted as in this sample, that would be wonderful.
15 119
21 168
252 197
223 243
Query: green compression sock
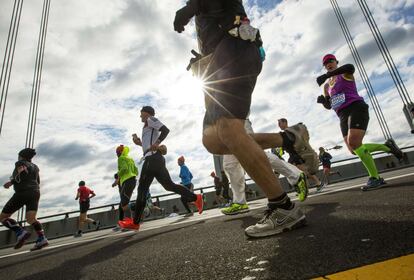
371 147
363 153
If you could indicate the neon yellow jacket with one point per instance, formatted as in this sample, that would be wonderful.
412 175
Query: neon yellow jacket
126 166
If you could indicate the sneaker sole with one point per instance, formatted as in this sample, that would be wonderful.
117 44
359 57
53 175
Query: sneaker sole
22 241
294 225
40 247
237 212
372 188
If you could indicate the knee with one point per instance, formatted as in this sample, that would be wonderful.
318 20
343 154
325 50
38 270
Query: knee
31 220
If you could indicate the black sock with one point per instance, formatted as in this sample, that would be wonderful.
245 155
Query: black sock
12 224
282 201
38 228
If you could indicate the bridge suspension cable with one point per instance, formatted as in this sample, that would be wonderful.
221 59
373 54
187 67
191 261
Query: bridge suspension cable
8 57
360 66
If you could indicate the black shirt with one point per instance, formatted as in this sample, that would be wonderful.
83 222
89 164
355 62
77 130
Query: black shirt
28 179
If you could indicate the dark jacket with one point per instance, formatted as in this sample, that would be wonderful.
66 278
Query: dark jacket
28 179
213 19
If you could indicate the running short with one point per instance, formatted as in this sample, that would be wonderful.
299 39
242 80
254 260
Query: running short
19 199
127 189
84 206
296 159
232 73
355 115
326 166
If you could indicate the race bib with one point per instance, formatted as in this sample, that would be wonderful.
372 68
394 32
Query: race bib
337 100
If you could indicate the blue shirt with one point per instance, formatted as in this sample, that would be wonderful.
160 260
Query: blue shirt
185 175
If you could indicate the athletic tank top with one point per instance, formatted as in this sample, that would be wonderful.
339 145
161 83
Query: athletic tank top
343 92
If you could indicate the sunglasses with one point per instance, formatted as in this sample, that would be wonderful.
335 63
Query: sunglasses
329 61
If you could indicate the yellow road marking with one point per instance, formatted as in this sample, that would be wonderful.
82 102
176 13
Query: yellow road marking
401 268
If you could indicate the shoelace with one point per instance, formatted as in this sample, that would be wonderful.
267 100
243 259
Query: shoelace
266 213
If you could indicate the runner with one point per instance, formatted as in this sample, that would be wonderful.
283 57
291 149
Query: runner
230 60
233 168
84 194
341 95
25 181
325 159
127 172
308 164
116 183
218 187
186 178
153 133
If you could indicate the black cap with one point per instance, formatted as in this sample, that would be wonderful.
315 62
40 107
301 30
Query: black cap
149 110
27 153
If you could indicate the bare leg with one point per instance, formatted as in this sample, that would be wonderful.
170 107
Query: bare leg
228 136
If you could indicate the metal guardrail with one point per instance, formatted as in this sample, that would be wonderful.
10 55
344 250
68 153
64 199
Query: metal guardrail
201 189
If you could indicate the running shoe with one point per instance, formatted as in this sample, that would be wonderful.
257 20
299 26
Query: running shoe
235 208
301 187
117 228
302 147
77 234
277 221
21 238
41 242
128 225
320 187
394 149
199 203
373 184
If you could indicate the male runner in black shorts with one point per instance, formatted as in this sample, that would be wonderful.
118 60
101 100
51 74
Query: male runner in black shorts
25 180
230 61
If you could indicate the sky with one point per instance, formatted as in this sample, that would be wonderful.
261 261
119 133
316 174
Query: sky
105 59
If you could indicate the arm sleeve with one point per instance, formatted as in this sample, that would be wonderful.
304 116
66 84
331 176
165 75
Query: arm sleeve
164 132
344 69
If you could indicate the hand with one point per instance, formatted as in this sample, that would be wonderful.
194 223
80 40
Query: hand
194 59
8 185
136 140
321 99
154 146
181 20
321 79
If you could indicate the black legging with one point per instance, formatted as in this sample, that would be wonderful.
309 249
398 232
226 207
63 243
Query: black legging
190 187
154 167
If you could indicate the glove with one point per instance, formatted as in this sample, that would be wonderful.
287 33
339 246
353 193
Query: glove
181 19
194 59
325 101
321 79
321 99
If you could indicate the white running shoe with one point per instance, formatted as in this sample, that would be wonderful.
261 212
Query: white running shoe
277 221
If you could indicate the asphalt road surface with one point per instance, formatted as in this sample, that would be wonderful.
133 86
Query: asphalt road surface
346 228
